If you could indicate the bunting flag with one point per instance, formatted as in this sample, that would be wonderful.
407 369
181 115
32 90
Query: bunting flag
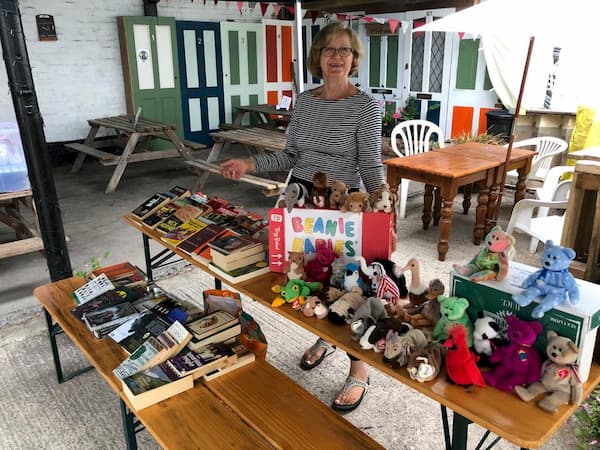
276 9
314 15
393 25
368 19
416 24
460 35
240 5
263 8
341 17
291 9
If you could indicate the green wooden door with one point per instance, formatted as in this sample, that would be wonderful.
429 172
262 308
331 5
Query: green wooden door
151 68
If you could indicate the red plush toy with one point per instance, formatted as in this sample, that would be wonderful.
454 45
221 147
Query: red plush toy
461 363
319 268
518 363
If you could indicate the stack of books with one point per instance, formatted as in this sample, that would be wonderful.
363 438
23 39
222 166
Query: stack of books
123 274
218 326
237 258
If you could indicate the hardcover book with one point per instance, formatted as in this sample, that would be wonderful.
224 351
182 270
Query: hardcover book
202 253
201 238
237 244
153 385
220 336
184 231
232 262
243 273
134 331
211 323
150 205
248 224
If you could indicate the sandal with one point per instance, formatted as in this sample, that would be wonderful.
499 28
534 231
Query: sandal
329 349
349 384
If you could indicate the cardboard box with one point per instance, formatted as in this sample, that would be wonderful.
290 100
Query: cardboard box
578 323
349 234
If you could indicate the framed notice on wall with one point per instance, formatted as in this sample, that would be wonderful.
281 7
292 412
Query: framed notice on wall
46 28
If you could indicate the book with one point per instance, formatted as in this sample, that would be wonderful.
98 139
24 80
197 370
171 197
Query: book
173 309
131 333
211 323
110 316
122 274
243 357
206 359
150 205
220 336
242 274
248 223
152 385
184 231
110 298
201 238
92 289
154 350
232 262
202 253
237 244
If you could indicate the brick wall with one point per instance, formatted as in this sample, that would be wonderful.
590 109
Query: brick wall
79 77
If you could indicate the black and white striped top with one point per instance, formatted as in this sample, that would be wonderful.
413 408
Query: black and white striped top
339 137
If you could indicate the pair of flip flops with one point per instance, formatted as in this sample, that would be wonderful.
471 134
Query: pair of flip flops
329 349
349 384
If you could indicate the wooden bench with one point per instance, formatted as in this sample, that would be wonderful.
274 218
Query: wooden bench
26 229
255 406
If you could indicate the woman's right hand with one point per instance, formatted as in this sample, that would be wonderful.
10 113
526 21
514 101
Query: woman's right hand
233 169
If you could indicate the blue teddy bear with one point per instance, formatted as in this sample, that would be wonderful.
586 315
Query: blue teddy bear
552 282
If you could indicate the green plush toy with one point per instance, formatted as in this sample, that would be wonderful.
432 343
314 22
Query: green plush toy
294 292
453 310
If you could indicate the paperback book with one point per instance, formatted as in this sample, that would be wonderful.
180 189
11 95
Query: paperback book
201 238
110 298
211 323
134 331
202 254
172 309
184 231
154 384
108 317
206 359
93 288
220 336
235 260
242 274
123 274
243 357
151 205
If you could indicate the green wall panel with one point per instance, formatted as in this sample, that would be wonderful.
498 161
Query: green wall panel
391 79
234 58
487 83
466 71
252 57
374 60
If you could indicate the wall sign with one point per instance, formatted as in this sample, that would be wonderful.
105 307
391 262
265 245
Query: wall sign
45 26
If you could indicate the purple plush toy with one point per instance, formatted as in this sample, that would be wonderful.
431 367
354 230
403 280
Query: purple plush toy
518 363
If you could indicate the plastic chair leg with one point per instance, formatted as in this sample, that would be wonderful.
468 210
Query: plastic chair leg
403 198
533 245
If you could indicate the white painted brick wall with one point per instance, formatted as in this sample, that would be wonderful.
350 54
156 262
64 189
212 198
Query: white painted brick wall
79 76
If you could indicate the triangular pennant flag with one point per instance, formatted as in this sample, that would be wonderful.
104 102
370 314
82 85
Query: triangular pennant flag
379 20
460 35
368 19
276 9
341 17
291 9
417 24
314 15
393 25
263 8
240 5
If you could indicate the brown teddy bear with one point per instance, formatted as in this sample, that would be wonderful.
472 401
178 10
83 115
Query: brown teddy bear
559 376
356 202
318 194
338 194
294 267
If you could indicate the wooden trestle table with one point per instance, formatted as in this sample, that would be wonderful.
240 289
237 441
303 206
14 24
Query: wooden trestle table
523 424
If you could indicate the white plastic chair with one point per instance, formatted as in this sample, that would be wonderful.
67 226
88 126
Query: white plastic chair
546 147
543 225
417 137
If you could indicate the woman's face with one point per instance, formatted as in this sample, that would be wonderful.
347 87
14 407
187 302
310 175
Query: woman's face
336 66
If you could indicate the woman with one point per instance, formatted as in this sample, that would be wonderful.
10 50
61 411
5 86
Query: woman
336 129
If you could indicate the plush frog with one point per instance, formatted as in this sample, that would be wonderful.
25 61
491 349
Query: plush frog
294 292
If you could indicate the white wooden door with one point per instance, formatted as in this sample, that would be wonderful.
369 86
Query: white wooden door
242 47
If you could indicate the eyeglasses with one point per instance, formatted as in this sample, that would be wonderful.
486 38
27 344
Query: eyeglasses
343 51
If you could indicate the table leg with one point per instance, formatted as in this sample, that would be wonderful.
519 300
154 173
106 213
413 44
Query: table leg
490 217
179 145
427 200
437 206
147 257
483 210
127 418
118 173
460 431
448 193
81 156
467 192
521 184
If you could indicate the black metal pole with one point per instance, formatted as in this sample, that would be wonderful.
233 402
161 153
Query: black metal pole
20 80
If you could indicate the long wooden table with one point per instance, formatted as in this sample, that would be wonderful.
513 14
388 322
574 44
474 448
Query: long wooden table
263 114
448 172
254 407
254 139
523 424
134 136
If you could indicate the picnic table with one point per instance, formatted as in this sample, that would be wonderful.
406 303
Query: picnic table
133 136
264 115
26 230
